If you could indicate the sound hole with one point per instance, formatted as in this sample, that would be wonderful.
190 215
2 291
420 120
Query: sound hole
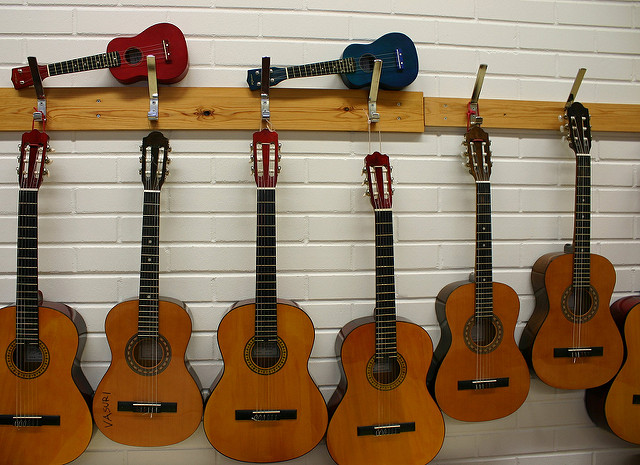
133 56
265 357
148 352
366 62
265 354
28 357
148 355
579 305
26 360
386 370
386 373
483 334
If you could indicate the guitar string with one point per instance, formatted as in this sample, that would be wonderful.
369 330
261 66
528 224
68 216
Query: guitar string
582 176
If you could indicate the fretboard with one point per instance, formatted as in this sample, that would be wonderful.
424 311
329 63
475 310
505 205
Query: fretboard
385 311
27 269
483 267
341 66
149 265
266 323
102 60
582 223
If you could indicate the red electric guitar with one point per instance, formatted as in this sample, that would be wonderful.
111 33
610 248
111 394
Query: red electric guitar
382 411
264 406
125 58
44 396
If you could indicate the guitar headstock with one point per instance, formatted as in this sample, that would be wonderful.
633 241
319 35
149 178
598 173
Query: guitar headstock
21 77
265 158
378 173
254 77
579 128
155 158
32 158
478 153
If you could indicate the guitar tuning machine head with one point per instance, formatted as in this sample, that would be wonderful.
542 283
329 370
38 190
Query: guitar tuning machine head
47 160
45 172
141 148
367 193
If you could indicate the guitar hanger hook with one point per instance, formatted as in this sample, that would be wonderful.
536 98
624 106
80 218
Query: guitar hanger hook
41 110
574 89
473 116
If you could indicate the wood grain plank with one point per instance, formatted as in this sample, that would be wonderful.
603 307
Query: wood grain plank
524 114
210 108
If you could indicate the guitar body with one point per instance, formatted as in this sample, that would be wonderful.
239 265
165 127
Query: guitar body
549 327
240 387
133 51
60 390
357 402
383 48
123 383
616 405
457 361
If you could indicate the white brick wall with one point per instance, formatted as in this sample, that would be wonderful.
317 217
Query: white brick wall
89 206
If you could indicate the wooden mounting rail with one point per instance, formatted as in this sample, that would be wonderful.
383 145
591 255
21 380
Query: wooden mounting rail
211 108
523 114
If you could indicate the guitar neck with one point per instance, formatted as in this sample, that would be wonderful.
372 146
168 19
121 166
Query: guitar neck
582 223
483 267
27 269
99 61
341 66
149 265
385 311
266 323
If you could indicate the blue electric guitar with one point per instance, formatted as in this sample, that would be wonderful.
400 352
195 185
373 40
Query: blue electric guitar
396 50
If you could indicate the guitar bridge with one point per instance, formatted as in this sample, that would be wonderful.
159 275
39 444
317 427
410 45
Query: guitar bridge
577 352
386 430
167 52
399 59
30 420
148 407
266 415
469 384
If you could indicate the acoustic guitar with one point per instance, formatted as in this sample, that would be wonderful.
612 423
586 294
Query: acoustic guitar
382 412
396 50
616 405
481 374
571 340
125 58
264 405
44 396
149 396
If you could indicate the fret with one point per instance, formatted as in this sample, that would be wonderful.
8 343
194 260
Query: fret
340 66
385 311
99 61
582 223
148 295
266 325
27 298
483 272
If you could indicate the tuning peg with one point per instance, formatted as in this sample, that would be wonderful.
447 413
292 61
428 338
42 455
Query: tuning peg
140 171
19 146
252 169
168 161
140 148
169 149
141 158
167 173
364 170
45 172
367 193
50 149
279 168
